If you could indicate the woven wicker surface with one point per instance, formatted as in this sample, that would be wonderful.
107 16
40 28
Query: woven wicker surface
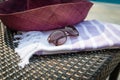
92 65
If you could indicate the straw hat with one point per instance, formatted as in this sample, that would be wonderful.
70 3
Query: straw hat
27 15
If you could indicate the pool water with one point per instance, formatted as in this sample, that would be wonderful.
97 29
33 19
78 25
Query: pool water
109 1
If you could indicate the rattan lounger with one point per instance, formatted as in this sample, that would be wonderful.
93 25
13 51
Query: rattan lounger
92 65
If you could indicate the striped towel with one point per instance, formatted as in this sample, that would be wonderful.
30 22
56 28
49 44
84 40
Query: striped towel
94 35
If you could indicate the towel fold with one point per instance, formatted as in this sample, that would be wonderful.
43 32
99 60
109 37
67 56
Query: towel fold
94 35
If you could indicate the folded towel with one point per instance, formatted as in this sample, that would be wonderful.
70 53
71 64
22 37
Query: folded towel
94 35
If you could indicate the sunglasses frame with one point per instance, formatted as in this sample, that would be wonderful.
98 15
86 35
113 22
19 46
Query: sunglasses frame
66 33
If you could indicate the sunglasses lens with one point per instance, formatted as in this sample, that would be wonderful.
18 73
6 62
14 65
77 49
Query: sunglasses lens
72 31
57 38
61 40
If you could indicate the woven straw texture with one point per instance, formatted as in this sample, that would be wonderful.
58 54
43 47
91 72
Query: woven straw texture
43 14
92 65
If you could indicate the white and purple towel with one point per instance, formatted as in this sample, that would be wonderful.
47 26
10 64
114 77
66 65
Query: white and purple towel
94 35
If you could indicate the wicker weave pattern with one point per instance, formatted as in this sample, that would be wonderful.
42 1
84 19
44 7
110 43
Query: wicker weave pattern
93 65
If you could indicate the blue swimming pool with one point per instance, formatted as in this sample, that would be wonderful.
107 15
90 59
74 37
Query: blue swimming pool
109 1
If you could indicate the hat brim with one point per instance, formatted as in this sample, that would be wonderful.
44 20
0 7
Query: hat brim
46 17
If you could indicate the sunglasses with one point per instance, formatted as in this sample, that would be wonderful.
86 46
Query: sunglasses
59 37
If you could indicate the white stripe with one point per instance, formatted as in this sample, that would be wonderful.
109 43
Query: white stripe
112 33
89 35
116 26
69 41
81 41
104 36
